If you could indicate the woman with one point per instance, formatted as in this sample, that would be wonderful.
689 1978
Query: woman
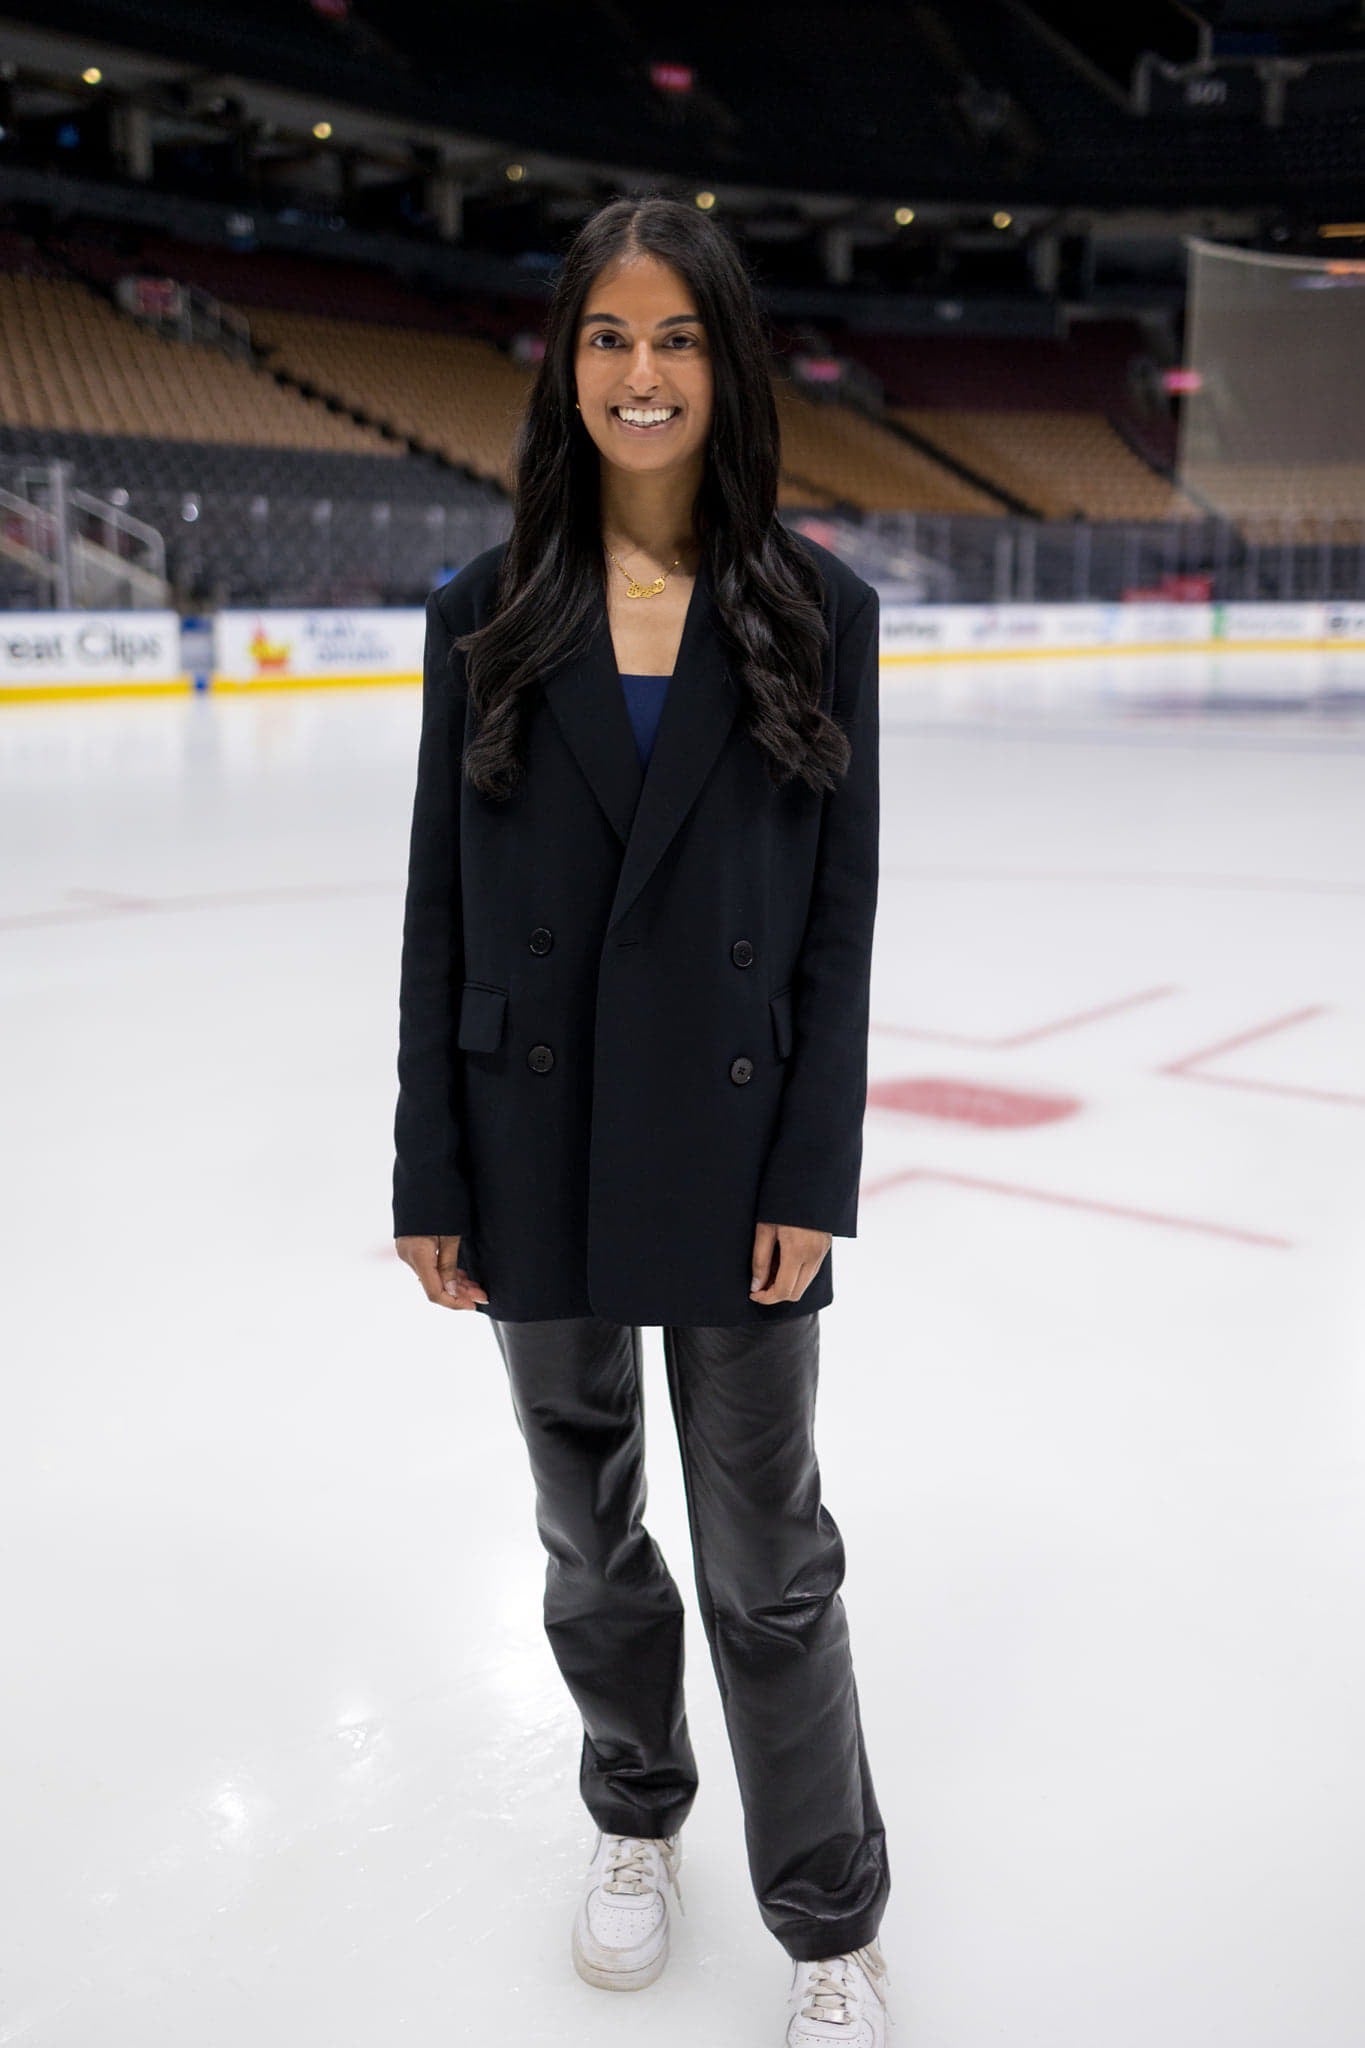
633 1068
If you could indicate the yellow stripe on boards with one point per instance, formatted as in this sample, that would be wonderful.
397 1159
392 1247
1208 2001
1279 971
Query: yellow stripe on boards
28 693
254 684
16 693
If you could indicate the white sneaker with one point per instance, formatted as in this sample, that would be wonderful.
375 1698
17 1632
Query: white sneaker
840 1998
620 1932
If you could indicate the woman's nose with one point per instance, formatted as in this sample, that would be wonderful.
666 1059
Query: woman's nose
643 375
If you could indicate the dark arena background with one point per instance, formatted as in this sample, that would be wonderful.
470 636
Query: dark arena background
1066 307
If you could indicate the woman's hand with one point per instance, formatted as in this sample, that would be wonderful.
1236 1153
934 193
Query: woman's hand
786 1260
435 1262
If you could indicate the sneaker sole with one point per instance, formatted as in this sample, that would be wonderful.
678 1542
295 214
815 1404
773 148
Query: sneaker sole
610 1978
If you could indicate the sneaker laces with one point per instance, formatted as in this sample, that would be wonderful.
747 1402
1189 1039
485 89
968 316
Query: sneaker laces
829 1993
831 1990
629 1872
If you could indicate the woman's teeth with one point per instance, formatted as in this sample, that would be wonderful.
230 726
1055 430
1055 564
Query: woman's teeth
645 416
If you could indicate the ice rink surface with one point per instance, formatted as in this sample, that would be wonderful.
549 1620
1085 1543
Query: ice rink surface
286 1756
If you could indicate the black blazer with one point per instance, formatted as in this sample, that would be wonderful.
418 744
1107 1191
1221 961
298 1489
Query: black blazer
633 1010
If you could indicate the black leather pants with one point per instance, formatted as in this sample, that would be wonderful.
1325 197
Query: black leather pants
769 1561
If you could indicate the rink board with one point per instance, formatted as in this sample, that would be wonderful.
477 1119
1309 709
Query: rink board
84 654
281 650
89 654
957 632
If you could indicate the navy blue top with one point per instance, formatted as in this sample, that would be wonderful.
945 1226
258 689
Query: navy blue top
645 703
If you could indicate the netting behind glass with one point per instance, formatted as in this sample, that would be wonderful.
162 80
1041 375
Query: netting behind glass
1274 435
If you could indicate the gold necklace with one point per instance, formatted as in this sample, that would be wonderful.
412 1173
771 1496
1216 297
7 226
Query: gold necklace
634 588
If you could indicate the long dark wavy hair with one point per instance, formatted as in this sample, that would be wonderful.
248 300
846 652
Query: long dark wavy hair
551 582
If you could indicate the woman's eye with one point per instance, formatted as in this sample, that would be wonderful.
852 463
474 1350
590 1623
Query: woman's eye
608 339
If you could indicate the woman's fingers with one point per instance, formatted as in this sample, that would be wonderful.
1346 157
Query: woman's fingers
448 1263
455 1282
421 1253
435 1261
467 1292
800 1255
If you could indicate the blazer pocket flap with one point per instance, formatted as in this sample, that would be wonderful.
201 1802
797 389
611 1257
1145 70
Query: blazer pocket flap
482 1009
781 1007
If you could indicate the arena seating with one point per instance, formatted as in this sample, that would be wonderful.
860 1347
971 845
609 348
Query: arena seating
71 360
1322 499
251 525
1059 463
447 392
1056 421
856 460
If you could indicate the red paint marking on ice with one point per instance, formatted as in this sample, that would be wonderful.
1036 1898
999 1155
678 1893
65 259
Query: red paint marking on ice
1184 1069
1088 1202
112 899
966 1102
1009 1040
104 904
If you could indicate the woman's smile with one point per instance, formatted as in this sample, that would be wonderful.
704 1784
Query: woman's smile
645 419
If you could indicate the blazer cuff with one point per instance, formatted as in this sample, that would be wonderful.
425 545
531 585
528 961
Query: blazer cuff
805 1205
446 1211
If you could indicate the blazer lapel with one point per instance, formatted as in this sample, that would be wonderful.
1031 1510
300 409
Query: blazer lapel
646 807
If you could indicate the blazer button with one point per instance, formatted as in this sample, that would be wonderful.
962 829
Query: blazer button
541 1058
742 953
541 939
741 1069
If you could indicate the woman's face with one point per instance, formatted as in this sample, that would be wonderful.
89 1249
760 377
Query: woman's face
643 368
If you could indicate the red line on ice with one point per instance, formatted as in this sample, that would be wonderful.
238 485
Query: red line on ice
1087 1202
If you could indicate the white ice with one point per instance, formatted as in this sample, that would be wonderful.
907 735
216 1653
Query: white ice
285 1754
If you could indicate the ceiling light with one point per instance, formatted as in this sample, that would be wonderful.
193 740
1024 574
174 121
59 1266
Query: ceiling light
92 74
322 129
516 172
705 200
1001 219
904 216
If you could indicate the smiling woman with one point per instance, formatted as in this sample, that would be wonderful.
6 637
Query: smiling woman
633 1067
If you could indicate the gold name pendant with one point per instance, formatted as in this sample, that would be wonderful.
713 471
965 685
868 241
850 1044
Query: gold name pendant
634 587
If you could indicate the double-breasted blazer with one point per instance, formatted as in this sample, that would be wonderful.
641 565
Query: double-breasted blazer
633 1008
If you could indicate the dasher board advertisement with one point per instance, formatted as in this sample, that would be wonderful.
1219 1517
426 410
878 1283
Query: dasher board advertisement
299 649
75 653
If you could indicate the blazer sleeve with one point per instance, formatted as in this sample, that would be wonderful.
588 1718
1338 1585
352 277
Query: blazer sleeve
431 1191
810 1177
